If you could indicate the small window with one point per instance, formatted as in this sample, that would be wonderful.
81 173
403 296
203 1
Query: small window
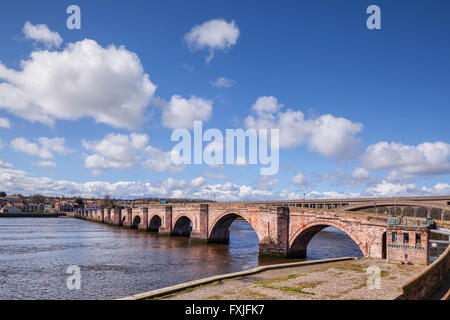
418 238
406 238
394 236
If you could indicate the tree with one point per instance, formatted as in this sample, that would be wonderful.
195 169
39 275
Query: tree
79 201
108 202
2 194
37 198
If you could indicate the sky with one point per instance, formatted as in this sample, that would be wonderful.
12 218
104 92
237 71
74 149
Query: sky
361 112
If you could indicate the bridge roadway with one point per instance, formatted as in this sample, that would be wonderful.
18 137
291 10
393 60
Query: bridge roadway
282 230
422 207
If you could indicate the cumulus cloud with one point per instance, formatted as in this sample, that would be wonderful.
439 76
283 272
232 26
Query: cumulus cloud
425 158
288 195
181 113
223 82
213 35
5 123
18 181
44 148
266 182
360 174
123 151
161 161
216 176
41 33
299 180
406 189
4 164
328 135
83 80
339 177
45 164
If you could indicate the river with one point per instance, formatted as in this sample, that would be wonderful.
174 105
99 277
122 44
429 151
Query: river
115 262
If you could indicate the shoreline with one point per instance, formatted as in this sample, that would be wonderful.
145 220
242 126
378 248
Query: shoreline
32 215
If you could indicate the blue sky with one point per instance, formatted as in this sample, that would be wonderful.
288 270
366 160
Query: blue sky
374 103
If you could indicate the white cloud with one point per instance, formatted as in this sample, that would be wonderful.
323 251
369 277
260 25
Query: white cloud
339 177
265 105
4 164
299 180
389 189
266 182
329 136
123 151
41 33
216 176
360 174
287 195
161 161
425 158
406 189
332 195
45 148
5 123
45 164
83 80
181 113
198 182
223 82
18 181
213 35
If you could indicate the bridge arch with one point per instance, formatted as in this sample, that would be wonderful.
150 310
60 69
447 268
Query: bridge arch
301 238
219 232
136 222
154 223
182 227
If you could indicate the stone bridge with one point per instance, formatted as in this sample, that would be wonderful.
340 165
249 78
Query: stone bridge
437 207
282 230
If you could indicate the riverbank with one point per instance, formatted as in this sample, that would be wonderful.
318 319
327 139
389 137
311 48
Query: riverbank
331 279
32 215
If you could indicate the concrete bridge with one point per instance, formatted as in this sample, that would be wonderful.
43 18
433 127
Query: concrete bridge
282 230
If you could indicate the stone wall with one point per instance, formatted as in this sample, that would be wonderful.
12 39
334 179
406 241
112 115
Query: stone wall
422 285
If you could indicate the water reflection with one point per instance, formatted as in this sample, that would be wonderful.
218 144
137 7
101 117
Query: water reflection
115 262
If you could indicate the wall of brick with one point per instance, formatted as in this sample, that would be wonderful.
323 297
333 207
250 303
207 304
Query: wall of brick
408 252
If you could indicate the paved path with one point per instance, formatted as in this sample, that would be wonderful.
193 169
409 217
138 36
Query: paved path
336 280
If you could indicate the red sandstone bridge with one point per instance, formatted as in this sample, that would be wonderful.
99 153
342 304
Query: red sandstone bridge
283 228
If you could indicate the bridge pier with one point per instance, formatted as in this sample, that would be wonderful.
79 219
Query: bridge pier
276 243
117 219
200 227
165 228
144 223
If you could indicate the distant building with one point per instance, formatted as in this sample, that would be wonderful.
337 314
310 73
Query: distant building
92 206
11 209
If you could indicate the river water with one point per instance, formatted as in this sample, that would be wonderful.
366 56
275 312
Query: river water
115 262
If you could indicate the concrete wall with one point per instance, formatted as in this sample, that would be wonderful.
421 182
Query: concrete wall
422 285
